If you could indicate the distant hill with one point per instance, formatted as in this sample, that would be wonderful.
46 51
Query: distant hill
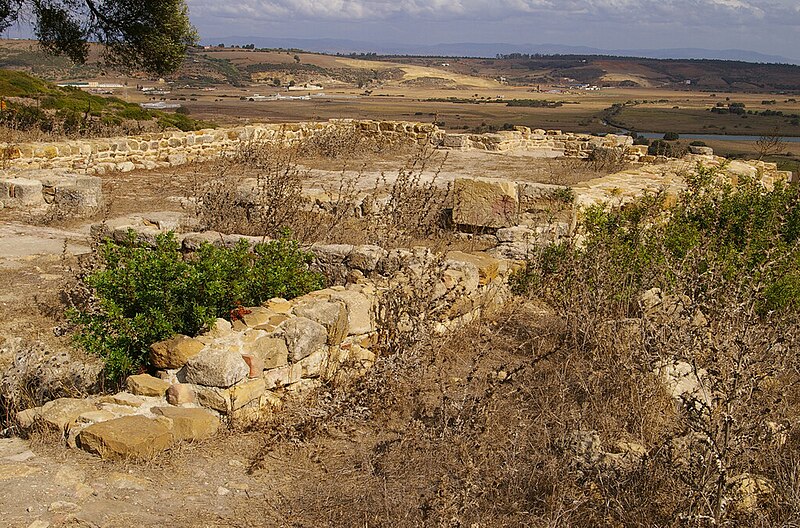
281 62
471 49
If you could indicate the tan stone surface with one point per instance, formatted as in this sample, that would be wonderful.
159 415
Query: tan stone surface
485 202
190 424
173 353
126 437
488 267
146 385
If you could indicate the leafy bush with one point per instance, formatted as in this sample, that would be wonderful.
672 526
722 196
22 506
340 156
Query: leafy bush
141 294
742 235
726 259
661 147
671 136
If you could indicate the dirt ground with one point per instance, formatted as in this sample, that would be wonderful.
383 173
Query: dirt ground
234 479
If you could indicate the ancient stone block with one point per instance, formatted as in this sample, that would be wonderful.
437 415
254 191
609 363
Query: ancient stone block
488 267
146 385
21 192
311 366
190 424
303 336
272 350
59 414
331 315
359 311
126 437
277 377
215 367
174 352
485 202
365 258
180 394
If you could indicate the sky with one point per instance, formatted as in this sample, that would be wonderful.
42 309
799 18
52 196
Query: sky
765 26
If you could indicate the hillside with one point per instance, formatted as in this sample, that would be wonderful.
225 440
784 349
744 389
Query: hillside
34 104
239 67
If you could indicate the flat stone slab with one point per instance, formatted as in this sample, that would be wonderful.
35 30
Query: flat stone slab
190 424
126 437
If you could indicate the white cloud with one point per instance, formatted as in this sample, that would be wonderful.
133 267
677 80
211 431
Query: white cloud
686 10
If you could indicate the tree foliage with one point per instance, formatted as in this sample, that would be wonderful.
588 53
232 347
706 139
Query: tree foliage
152 35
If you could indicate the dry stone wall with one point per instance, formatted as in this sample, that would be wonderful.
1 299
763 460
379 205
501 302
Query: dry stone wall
240 371
97 156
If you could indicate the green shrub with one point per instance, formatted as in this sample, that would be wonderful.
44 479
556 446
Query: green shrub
671 136
741 237
142 294
661 147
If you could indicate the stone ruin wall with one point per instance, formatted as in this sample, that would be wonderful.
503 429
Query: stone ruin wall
240 373
34 176
93 156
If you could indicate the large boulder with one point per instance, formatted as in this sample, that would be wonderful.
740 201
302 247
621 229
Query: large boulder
126 437
216 367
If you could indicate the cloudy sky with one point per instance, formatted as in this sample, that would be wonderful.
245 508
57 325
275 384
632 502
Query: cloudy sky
766 26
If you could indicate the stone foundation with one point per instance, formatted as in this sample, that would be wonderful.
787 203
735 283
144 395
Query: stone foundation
240 371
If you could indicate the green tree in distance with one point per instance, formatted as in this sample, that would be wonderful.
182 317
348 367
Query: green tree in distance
151 35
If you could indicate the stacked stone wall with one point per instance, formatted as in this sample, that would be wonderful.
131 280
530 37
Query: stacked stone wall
151 151
240 371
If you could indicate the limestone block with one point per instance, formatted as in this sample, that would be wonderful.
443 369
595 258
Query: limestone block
485 202
96 417
311 366
303 336
244 393
125 399
278 377
515 234
279 306
174 352
257 316
59 414
126 437
331 254
273 323
456 141
488 267
180 394
220 328
21 192
272 350
189 424
27 418
702 151
213 398
146 385
216 367
365 258
331 315
359 311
